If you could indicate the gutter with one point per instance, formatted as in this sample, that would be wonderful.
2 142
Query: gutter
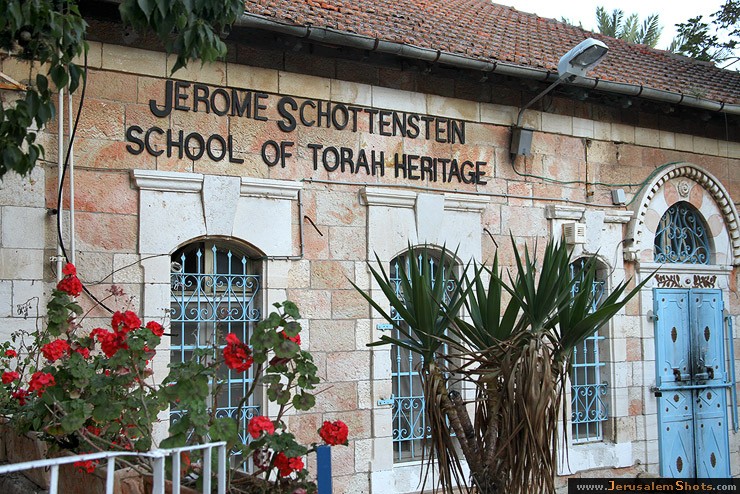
353 40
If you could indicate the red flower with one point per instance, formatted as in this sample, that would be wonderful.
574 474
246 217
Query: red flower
286 465
86 466
70 285
237 355
295 339
40 381
55 350
260 424
69 269
11 353
129 320
85 352
155 328
110 341
334 433
20 395
10 376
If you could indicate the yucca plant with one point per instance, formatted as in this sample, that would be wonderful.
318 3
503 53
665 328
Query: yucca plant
515 352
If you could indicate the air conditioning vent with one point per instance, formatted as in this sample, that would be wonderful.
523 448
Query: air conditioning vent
574 233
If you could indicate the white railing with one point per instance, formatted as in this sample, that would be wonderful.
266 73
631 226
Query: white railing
157 456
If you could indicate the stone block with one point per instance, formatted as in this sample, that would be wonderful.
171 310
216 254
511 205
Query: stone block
111 232
348 304
168 219
271 233
306 86
105 192
332 335
213 73
94 56
21 264
134 60
347 243
29 299
356 484
23 227
453 108
602 130
127 268
331 274
351 93
667 139
647 137
498 114
685 142
27 191
101 119
107 85
314 304
583 127
6 299
398 100
703 145
364 395
348 366
336 397
558 124
623 133
254 78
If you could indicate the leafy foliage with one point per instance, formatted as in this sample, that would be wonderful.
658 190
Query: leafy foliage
629 28
514 348
52 35
713 41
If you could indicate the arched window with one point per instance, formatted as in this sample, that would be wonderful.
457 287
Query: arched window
215 290
409 425
682 236
588 410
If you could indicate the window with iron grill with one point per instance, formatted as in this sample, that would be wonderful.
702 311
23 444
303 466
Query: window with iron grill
409 424
215 290
588 410
682 236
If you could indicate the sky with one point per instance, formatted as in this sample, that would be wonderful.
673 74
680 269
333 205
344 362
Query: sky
670 12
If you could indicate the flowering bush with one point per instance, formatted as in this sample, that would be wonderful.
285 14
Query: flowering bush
93 391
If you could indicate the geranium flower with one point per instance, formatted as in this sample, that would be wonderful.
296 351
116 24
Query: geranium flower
11 353
55 350
286 465
155 328
295 339
260 424
10 376
237 355
110 341
69 269
125 322
87 466
20 395
334 433
70 285
40 381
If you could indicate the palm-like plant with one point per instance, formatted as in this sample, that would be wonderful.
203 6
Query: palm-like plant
515 352
628 28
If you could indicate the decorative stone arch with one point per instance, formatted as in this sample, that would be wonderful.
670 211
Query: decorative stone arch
685 182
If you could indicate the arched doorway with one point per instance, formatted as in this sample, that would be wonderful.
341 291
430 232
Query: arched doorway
686 229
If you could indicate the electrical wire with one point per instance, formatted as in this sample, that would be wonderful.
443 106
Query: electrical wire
73 133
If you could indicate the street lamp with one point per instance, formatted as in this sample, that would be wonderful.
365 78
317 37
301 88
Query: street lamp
585 56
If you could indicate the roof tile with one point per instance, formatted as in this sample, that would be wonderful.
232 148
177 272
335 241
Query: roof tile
492 32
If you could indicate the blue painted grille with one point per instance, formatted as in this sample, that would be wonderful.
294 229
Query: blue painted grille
409 422
213 293
588 410
682 236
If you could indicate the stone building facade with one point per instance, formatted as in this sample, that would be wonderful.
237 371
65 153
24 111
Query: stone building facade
307 159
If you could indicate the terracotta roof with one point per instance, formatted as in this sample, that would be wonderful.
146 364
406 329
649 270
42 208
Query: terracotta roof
485 31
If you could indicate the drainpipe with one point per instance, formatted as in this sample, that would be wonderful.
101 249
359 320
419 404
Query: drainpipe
72 247
60 168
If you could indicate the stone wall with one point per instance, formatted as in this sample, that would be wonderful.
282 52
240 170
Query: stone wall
319 227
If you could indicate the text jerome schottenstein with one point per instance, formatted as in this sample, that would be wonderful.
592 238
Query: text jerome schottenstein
232 102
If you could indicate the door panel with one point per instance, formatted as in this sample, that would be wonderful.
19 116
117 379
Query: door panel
690 367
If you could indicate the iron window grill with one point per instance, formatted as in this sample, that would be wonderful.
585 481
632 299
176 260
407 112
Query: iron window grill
588 410
409 421
682 236
215 292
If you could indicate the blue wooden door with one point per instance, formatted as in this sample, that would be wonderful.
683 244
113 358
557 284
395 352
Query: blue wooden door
690 375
